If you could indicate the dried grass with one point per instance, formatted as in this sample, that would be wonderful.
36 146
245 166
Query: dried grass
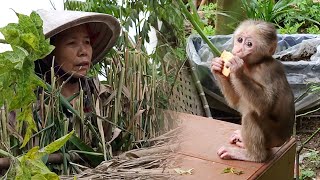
156 162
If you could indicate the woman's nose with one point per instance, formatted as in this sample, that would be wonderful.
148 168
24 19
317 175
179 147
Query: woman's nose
83 49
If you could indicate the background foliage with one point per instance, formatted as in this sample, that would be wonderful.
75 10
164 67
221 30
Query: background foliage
138 82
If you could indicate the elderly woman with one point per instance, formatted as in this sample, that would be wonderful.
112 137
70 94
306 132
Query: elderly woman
81 39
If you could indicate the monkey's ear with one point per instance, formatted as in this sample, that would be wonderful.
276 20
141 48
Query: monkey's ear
273 48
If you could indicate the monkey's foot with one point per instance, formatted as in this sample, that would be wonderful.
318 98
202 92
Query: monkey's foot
236 139
224 153
234 153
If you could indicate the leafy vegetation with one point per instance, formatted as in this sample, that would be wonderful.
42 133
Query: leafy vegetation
129 68
138 84
306 13
30 165
209 12
310 162
17 79
269 11
291 16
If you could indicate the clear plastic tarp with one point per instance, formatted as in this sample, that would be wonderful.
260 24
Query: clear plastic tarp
300 54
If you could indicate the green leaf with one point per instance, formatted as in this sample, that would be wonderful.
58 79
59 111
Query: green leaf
11 33
26 115
31 166
57 144
31 40
18 82
94 160
40 171
31 154
37 21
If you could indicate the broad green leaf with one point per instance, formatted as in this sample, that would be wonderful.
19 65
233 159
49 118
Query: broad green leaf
11 33
22 171
57 144
37 21
38 177
31 154
31 40
40 170
18 81
31 166
26 115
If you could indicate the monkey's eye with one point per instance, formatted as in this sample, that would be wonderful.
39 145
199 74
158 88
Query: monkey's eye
249 44
239 39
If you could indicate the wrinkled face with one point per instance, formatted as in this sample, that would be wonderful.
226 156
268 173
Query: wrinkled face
244 44
73 51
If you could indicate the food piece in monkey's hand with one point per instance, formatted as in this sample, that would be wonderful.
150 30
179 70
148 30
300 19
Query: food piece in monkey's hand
226 56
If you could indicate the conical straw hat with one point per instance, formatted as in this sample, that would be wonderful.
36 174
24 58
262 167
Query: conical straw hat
103 27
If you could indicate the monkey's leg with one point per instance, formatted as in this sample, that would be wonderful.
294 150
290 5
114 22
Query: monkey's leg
236 139
234 153
253 137
239 154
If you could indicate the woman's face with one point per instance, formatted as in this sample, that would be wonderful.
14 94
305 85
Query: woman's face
73 51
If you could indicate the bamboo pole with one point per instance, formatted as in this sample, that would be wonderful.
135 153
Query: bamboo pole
119 91
197 28
55 158
200 90
193 69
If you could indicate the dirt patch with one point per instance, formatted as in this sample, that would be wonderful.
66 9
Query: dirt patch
310 155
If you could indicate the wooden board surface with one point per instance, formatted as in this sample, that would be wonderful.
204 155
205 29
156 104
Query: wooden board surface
200 139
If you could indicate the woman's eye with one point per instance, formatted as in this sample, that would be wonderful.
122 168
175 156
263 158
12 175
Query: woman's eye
71 42
240 40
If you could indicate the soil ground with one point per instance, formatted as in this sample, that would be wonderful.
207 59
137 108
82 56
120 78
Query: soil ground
306 126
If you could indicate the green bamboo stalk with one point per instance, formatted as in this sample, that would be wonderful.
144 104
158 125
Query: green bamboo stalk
3 121
42 130
147 97
200 89
193 70
86 152
139 94
65 161
153 91
81 103
119 93
101 131
133 86
42 110
197 28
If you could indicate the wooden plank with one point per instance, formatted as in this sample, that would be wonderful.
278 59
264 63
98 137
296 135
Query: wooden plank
200 139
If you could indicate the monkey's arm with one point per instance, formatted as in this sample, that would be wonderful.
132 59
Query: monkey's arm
259 94
227 90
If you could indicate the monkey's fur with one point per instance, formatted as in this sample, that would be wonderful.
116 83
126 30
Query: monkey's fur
257 87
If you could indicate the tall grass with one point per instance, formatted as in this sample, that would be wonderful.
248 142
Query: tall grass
127 108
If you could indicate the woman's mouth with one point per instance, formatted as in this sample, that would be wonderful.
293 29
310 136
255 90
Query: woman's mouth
83 66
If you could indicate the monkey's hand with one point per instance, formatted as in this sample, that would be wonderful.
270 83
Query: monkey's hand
235 64
217 65
236 139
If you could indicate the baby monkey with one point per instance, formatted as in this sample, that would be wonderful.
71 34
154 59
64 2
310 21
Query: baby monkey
257 87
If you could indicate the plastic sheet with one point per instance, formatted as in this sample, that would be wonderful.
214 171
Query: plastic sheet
300 54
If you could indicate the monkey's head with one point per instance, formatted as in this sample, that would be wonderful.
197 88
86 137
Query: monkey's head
254 39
